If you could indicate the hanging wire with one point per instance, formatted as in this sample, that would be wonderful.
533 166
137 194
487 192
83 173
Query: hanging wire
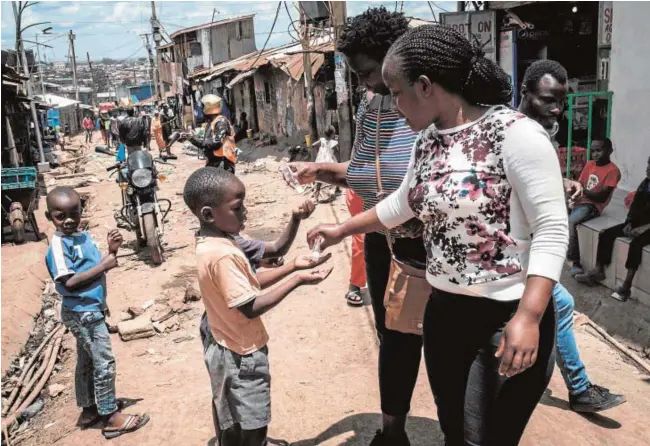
432 12
277 13
293 23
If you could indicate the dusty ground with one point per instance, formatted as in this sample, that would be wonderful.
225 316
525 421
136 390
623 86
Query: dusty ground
323 353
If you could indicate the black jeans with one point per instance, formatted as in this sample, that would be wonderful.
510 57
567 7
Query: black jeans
606 240
399 353
477 406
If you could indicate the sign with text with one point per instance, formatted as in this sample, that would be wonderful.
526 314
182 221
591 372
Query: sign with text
605 23
480 28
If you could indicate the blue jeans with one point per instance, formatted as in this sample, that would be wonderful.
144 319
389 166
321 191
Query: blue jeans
95 372
568 358
578 215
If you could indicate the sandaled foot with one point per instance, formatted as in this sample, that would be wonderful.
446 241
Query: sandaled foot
354 298
129 423
622 294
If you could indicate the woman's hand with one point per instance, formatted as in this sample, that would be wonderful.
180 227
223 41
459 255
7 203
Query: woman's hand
329 234
305 173
519 344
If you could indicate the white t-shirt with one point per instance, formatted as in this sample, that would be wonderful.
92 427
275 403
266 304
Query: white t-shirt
326 151
482 190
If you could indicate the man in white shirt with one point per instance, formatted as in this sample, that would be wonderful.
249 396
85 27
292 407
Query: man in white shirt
543 92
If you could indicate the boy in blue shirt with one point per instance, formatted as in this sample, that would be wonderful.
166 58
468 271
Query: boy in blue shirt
79 273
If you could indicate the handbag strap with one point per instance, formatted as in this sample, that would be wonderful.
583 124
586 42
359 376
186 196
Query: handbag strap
380 188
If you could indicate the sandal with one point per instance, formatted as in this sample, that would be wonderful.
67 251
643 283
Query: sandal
132 424
621 294
354 298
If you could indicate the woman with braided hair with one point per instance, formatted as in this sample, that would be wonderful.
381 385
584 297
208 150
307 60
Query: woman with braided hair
485 181
382 135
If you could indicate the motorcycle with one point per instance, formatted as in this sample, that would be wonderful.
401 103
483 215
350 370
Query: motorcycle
141 209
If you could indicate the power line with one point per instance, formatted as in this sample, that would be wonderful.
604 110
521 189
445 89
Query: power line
432 12
292 21
277 13
440 7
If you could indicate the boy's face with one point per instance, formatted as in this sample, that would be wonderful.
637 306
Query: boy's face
230 215
599 152
65 213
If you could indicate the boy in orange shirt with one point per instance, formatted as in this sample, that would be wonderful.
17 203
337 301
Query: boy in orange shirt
599 179
237 357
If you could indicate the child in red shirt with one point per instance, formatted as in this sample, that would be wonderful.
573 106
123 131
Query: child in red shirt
599 179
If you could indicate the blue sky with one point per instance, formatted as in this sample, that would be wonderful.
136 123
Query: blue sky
112 29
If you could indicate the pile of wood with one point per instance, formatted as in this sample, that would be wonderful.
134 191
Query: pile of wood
26 387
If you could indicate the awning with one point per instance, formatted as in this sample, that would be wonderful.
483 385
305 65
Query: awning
240 77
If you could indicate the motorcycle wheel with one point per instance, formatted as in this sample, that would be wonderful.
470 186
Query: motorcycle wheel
153 239
17 219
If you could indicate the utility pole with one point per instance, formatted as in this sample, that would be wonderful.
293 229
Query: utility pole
40 67
305 37
155 30
338 15
151 64
92 79
42 166
71 36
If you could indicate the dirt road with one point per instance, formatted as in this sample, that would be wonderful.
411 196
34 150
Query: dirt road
323 353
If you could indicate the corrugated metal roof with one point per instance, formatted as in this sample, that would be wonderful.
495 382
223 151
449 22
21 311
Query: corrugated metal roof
288 58
209 25
415 22
56 101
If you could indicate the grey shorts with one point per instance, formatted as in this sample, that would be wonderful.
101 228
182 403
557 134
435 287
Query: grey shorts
241 386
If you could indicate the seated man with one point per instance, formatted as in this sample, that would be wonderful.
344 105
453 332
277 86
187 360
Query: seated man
637 226
599 179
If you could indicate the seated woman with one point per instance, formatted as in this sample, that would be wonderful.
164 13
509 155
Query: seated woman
637 226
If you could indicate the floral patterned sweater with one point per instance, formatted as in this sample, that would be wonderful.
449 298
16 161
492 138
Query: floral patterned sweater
491 198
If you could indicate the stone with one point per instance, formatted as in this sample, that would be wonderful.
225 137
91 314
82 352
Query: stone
135 311
137 328
147 304
159 327
50 313
162 314
55 390
31 411
124 316
192 294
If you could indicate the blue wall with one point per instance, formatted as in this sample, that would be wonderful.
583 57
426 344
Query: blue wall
143 91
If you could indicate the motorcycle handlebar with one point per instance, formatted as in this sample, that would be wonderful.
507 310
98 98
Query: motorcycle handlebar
108 169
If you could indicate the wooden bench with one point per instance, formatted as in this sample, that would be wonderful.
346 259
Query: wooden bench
588 231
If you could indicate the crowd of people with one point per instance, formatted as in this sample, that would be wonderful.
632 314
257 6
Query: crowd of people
450 189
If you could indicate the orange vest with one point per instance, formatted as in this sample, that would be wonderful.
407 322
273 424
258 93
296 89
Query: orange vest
227 149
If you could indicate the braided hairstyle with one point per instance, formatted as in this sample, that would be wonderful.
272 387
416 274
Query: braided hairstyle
372 33
448 59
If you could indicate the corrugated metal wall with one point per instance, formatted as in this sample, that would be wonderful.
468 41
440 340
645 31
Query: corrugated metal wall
225 44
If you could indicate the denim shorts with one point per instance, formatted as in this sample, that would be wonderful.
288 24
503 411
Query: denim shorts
241 386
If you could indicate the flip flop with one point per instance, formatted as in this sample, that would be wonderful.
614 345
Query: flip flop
354 298
132 424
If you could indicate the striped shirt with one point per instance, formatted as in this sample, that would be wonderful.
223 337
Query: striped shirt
396 141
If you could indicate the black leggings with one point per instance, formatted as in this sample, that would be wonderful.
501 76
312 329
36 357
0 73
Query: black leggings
399 353
477 406
606 240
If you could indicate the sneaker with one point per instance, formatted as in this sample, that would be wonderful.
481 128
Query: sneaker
595 399
383 440
591 278
576 269
621 294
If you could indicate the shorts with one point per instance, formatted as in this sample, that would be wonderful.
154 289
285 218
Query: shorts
241 386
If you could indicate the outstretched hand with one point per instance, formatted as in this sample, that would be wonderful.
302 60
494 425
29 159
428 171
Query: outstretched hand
307 261
330 235
304 211
305 173
315 276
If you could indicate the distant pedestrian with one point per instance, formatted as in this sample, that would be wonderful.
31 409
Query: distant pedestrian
88 125
79 270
